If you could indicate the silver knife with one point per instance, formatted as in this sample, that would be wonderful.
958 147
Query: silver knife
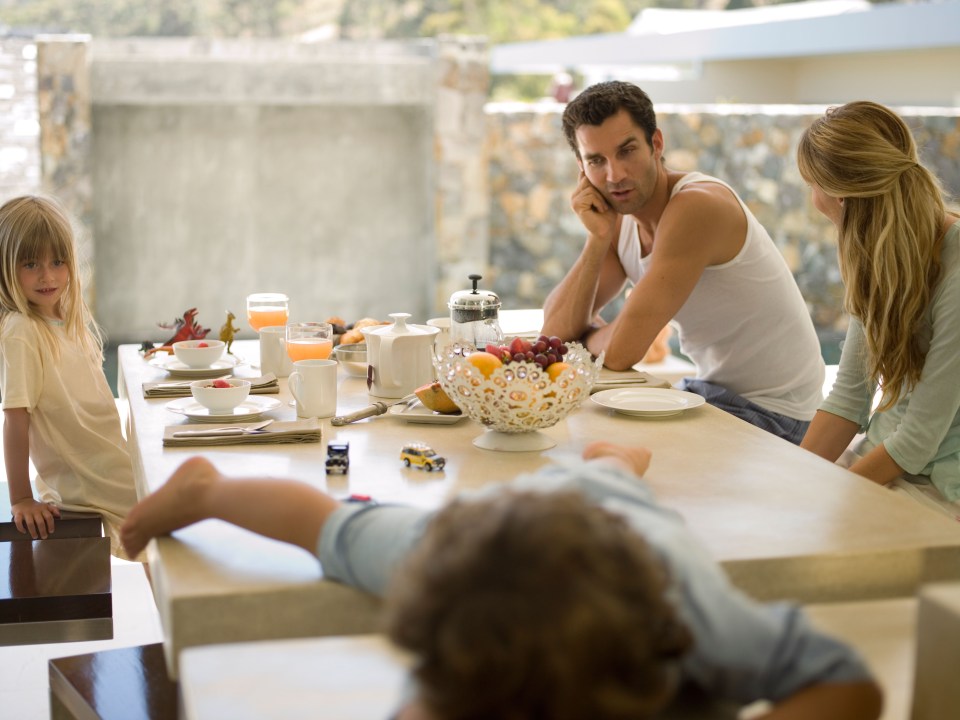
378 408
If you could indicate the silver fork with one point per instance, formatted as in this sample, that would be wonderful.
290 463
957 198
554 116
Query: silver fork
221 431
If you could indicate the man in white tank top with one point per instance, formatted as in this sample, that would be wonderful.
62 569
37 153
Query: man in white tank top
695 255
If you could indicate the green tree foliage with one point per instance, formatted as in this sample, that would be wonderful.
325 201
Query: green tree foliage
498 20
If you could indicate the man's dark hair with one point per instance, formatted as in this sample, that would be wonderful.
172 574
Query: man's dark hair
604 100
536 605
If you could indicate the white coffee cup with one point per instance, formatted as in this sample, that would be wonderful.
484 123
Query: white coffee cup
313 384
273 351
443 337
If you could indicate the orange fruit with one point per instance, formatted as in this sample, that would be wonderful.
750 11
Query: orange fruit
555 370
433 397
485 362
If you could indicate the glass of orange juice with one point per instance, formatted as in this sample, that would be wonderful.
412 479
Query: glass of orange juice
309 340
266 309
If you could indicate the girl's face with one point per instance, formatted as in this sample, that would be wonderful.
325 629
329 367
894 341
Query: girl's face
829 206
43 283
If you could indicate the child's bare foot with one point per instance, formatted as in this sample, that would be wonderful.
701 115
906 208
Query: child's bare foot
180 502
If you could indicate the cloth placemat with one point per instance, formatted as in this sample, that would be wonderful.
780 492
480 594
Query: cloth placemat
263 385
611 379
296 431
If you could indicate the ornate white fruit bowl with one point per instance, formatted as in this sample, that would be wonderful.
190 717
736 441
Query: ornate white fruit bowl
518 399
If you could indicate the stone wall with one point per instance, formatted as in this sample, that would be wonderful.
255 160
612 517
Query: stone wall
535 237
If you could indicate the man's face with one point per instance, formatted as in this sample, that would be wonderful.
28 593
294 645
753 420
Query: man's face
619 162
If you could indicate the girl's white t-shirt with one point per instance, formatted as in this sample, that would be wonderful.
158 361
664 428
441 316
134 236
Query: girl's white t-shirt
76 443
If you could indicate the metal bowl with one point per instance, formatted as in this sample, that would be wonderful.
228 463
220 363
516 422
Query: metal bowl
353 357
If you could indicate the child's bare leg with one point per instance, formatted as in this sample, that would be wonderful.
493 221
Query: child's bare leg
281 509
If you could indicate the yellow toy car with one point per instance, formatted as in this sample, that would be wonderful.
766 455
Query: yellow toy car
422 456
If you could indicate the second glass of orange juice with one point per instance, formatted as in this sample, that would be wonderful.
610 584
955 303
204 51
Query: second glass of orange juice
266 309
309 340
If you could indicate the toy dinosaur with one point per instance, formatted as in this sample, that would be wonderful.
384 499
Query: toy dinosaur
228 331
185 328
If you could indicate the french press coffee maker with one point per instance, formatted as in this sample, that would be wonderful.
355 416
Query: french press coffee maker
474 317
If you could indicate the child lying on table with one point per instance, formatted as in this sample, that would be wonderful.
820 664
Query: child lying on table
569 593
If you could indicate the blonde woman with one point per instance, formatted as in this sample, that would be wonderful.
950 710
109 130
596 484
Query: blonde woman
899 252
58 410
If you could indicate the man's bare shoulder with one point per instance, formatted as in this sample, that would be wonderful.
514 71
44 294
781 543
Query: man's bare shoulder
705 196
703 210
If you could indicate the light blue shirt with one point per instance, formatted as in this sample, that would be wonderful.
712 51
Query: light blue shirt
922 431
743 650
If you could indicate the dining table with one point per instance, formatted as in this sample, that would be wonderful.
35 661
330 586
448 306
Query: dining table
783 523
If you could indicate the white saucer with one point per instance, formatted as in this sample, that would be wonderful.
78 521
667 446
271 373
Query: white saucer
648 402
420 414
247 411
179 369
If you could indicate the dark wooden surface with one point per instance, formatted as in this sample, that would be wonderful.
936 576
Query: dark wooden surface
51 580
126 684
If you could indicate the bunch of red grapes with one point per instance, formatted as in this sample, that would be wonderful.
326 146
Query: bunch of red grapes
545 351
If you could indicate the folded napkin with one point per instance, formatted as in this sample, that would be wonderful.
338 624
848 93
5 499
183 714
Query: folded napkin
297 431
263 385
611 379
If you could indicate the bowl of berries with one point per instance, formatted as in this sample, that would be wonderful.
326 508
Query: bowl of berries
199 353
220 396
518 389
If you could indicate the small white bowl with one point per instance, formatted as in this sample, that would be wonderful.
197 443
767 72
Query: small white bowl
220 399
353 357
198 353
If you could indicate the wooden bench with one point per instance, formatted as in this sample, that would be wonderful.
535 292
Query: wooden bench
57 589
126 684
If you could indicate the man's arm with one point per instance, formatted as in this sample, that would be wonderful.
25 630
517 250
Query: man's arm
596 277
702 225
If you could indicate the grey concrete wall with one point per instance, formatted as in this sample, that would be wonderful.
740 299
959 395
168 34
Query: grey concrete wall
208 204
224 168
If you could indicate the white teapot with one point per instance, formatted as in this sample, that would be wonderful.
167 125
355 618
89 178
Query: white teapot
399 356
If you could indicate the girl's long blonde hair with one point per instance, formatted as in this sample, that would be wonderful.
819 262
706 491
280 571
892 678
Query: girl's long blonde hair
34 228
889 232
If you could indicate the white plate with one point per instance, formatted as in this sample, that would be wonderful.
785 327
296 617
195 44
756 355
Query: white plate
420 414
247 411
648 402
179 369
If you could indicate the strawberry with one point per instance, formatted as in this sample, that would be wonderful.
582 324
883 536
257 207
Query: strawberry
519 345
220 383
202 344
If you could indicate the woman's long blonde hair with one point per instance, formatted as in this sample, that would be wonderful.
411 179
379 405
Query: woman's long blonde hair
889 232
34 228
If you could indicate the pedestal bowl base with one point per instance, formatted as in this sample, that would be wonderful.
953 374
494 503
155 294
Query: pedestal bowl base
533 441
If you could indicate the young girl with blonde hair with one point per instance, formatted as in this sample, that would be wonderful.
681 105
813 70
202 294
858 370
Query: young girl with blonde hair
899 252
58 409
